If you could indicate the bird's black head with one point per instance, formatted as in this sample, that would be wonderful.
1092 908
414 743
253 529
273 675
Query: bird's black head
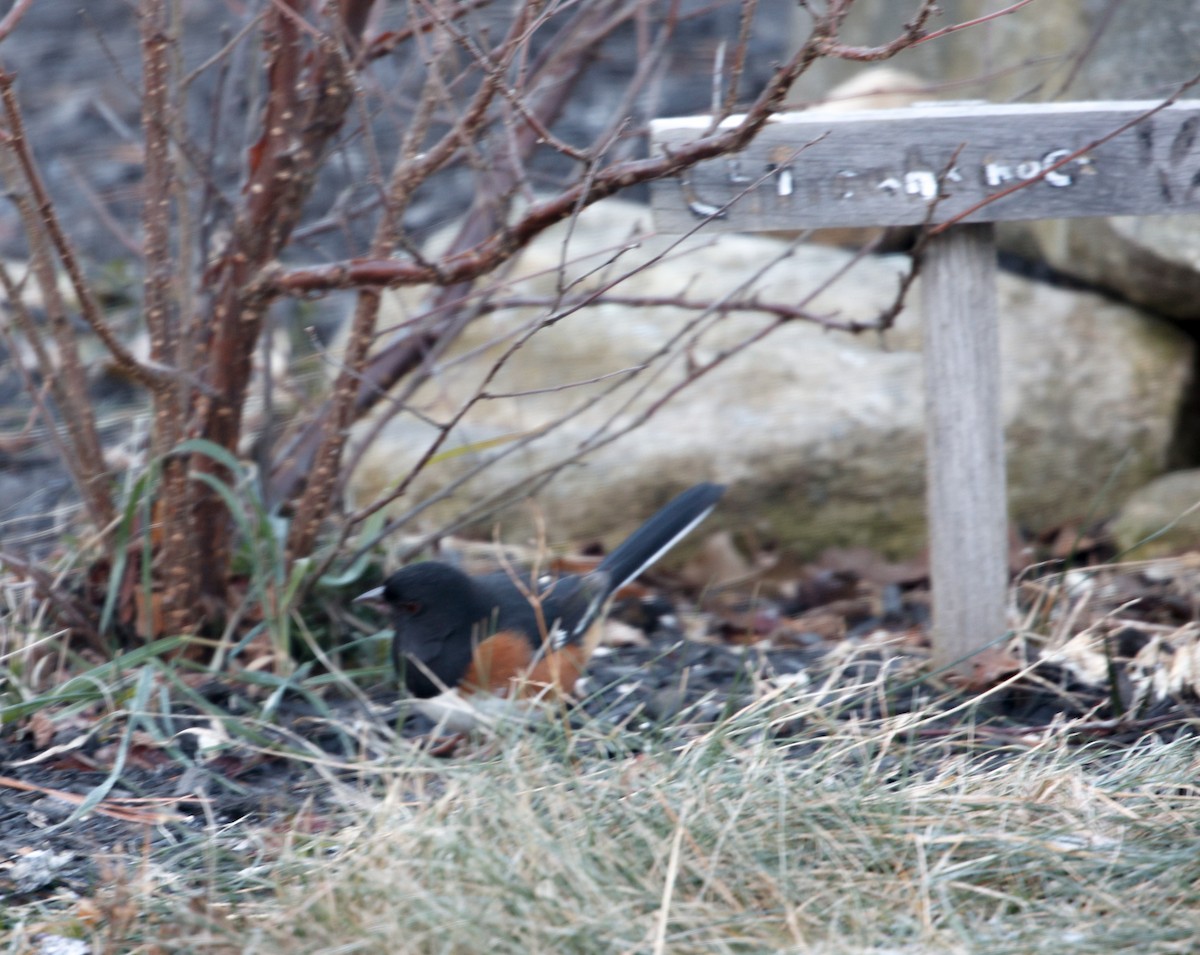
434 610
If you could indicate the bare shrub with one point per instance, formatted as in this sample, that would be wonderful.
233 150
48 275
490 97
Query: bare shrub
432 96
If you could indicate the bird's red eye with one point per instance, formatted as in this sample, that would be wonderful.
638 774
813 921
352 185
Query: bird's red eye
410 607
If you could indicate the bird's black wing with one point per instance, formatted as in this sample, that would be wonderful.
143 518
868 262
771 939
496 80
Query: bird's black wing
563 609
549 608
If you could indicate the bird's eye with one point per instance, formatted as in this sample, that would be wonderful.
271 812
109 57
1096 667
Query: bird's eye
410 607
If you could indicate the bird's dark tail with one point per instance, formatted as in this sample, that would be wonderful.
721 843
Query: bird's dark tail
637 552
659 534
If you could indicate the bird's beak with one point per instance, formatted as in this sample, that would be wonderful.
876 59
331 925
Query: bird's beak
370 597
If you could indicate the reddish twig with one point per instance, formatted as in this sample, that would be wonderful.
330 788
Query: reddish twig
914 33
180 549
785 313
386 43
13 17
47 219
146 811
966 24
66 375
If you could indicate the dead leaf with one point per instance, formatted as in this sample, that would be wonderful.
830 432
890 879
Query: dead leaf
986 668
42 728
869 565
718 563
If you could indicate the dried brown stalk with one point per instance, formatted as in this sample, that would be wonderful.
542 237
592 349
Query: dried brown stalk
26 172
64 371
179 549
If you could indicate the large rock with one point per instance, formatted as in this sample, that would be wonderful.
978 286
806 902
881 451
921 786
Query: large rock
1152 261
1065 50
1161 519
819 432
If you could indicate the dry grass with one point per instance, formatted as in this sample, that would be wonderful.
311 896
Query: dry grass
901 835
848 839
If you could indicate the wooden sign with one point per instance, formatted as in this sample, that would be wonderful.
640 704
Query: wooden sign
886 167
933 164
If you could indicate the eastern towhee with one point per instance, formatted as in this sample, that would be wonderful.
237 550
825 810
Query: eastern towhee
465 647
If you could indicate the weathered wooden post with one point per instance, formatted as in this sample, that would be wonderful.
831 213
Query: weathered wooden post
960 163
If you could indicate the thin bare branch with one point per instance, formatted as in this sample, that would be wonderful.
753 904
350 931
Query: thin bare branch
967 24
785 313
740 51
66 375
159 305
65 450
386 43
13 17
17 142
486 256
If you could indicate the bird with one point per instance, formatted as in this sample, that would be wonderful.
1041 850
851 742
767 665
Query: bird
472 649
